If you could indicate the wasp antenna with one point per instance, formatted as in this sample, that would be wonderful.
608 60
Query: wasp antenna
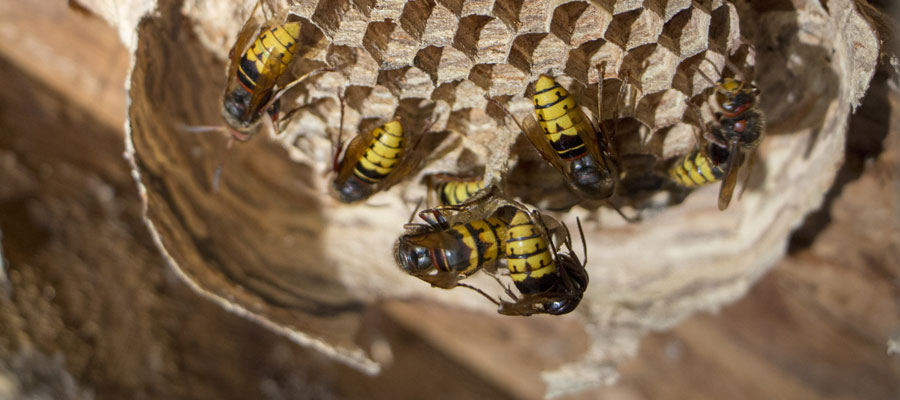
201 128
738 74
583 242
505 111
224 156
415 210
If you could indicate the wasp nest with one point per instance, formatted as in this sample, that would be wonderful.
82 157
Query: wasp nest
272 244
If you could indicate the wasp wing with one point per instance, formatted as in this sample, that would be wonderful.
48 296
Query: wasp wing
535 134
248 32
731 173
264 83
355 150
410 160
442 240
596 140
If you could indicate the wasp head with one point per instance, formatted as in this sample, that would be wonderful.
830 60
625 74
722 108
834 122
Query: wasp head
352 190
735 97
572 286
412 258
234 108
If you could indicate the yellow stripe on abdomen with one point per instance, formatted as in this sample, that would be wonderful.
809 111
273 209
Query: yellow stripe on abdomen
694 170
383 153
527 251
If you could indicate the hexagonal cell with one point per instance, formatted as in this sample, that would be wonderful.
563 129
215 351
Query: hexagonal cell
668 8
508 11
415 17
468 95
497 79
578 22
386 9
686 33
344 24
390 45
484 39
378 103
659 70
534 16
440 26
621 6
578 60
407 82
724 31
355 63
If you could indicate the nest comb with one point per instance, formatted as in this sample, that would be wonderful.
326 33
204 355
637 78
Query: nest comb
274 247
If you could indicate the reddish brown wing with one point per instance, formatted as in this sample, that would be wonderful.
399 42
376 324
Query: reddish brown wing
731 172
264 84
538 139
247 34
592 135
354 152
437 240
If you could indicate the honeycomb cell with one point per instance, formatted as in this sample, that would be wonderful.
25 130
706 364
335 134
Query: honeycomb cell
407 82
578 22
440 26
685 33
391 46
497 79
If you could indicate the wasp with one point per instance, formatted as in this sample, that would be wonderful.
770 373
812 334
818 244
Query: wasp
253 74
737 130
453 244
452 190
549 281
699 168
375 161
569 140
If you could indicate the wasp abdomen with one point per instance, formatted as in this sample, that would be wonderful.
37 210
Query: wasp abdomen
559 117
529 261
482 243
454 193
383 153
695 169
279 39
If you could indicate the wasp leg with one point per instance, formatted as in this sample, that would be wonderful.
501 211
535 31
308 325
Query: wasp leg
487 296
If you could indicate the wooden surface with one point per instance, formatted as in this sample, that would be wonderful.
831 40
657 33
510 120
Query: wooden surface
94 312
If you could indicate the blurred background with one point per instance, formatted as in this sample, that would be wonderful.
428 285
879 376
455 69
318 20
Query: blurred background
88 308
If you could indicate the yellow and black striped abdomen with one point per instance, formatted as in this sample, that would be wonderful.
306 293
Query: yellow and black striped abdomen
454 193
279 39
559 117
483 242
383 153
528 257
695 169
